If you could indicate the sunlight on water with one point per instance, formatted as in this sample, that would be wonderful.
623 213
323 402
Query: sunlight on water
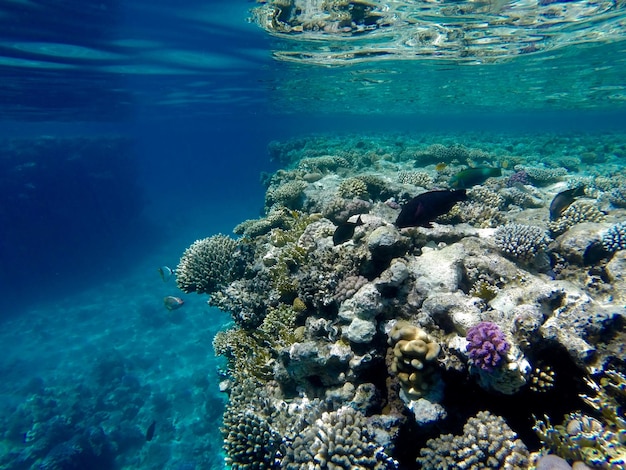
340 32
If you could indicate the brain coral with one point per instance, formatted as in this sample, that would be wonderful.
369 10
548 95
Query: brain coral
487 442
207 265
521 241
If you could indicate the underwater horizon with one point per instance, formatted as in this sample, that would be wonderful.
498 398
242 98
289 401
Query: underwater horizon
312 234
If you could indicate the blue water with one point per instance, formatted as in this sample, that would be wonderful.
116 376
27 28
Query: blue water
130 129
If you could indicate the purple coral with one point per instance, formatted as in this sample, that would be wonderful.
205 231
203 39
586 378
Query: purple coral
519 177
487 345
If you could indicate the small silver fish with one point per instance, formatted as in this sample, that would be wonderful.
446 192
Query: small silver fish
166 273
172 303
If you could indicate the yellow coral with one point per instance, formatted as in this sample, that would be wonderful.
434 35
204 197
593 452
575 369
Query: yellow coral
413 354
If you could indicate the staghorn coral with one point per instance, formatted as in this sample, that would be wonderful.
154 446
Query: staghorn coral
522 242
337 440
414 355
207 265
614 239
487 442
578 212
487 345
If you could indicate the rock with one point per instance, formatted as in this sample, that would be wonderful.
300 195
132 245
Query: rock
580 243
616 272
438 270
426 412
386 242
360 331
365 304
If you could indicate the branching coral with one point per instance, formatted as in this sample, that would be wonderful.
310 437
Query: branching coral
417 178
253 352
337 440
520 241
600 443
487 442
323 164
487 345
249 440
576 213
614 239
289 194
207 265
353 187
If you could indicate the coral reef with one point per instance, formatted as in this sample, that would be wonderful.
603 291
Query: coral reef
207 265
578 212
487 346
614 238
338 439
523 242
487 442
414 359
336 347
598 443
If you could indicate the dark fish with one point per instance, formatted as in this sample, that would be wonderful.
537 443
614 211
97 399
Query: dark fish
344 231
472 176
423 209
563 200
172 303
150 431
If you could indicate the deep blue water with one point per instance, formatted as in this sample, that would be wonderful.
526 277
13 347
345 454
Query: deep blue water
130 129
